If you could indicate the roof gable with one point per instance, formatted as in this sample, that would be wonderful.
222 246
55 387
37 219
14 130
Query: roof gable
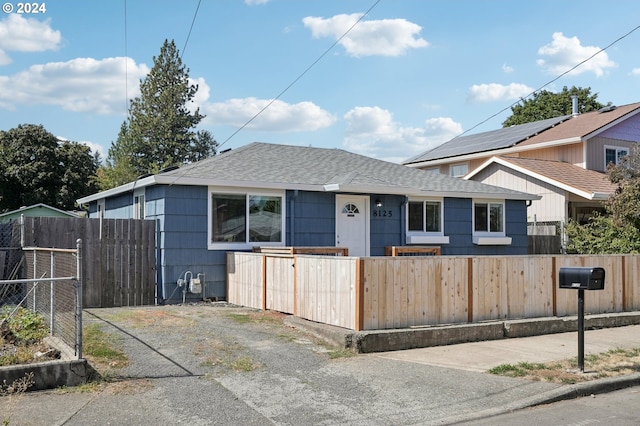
588 184
38 210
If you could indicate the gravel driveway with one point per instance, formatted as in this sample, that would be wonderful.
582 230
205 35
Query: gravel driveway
215 363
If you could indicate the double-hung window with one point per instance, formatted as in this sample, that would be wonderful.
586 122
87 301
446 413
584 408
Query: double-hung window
425 222
245 219
489 223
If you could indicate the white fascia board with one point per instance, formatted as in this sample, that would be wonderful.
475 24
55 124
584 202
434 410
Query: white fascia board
600 196
415 192
127 187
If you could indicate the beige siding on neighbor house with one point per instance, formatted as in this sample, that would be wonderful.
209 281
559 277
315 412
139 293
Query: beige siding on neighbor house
552 206
572 153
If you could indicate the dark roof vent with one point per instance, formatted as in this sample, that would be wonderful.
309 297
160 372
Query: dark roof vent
168 169
608 108
144 176
225 151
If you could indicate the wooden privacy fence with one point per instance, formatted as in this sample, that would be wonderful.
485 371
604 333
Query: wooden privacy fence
397 292
119 263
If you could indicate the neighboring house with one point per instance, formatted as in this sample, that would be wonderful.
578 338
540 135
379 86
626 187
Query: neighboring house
277 195
561 159
36 210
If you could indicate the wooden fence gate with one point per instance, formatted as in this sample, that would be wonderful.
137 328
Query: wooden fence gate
118 256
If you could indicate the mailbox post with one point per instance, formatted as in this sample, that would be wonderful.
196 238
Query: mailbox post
581 279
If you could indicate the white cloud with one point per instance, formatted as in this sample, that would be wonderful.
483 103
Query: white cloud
497 92
635 71
563 53
278 117
386 37
79 85
507 69
372 131
21 34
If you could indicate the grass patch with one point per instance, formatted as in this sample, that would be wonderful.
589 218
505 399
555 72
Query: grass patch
103 350
615 362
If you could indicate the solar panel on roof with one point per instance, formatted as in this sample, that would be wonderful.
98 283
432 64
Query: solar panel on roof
487 141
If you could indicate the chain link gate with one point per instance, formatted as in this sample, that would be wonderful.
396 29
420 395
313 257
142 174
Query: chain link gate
46 281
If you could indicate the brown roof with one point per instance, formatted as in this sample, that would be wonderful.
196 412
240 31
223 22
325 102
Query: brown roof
588 181
582 125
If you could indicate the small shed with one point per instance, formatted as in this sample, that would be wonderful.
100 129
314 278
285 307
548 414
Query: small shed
36 210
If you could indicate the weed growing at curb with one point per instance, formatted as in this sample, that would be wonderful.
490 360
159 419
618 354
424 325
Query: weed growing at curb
10 395
615 362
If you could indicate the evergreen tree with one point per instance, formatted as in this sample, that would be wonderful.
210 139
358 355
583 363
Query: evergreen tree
160 129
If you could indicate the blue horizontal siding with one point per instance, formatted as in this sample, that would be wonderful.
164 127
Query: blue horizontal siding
182 230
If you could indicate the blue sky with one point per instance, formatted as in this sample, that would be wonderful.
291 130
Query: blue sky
409 76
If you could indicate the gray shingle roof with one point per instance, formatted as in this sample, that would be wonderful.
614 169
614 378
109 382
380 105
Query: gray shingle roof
487 141
296 167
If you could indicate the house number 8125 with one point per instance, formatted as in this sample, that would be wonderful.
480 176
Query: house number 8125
382 213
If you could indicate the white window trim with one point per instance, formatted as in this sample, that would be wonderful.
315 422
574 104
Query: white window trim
617 148
424 237
100 212
466 164
136 208
247 192
486 238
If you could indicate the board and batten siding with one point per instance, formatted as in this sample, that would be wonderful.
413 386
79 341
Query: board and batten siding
571 153
596 147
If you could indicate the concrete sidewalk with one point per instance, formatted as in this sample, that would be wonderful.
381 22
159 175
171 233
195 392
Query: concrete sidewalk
482 356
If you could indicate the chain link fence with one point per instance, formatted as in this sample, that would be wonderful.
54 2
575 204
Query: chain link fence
45 281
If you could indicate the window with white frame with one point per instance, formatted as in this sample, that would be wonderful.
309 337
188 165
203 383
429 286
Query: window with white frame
251 218
489 223
100 209
458 170
425 216
613 154
138 204
425 222
488 217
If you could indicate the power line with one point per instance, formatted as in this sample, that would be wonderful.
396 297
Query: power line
552 81
193 21
338 40
126 70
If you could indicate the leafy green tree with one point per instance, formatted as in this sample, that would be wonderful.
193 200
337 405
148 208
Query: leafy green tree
602 235
160 130
619 230
35 167
545 104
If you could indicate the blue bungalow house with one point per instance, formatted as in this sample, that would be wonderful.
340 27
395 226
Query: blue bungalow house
277 195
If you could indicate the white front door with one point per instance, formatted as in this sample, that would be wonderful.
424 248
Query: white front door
352 224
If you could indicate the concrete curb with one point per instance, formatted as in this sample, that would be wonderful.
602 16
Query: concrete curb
67 371
561 393
47 375
371 341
